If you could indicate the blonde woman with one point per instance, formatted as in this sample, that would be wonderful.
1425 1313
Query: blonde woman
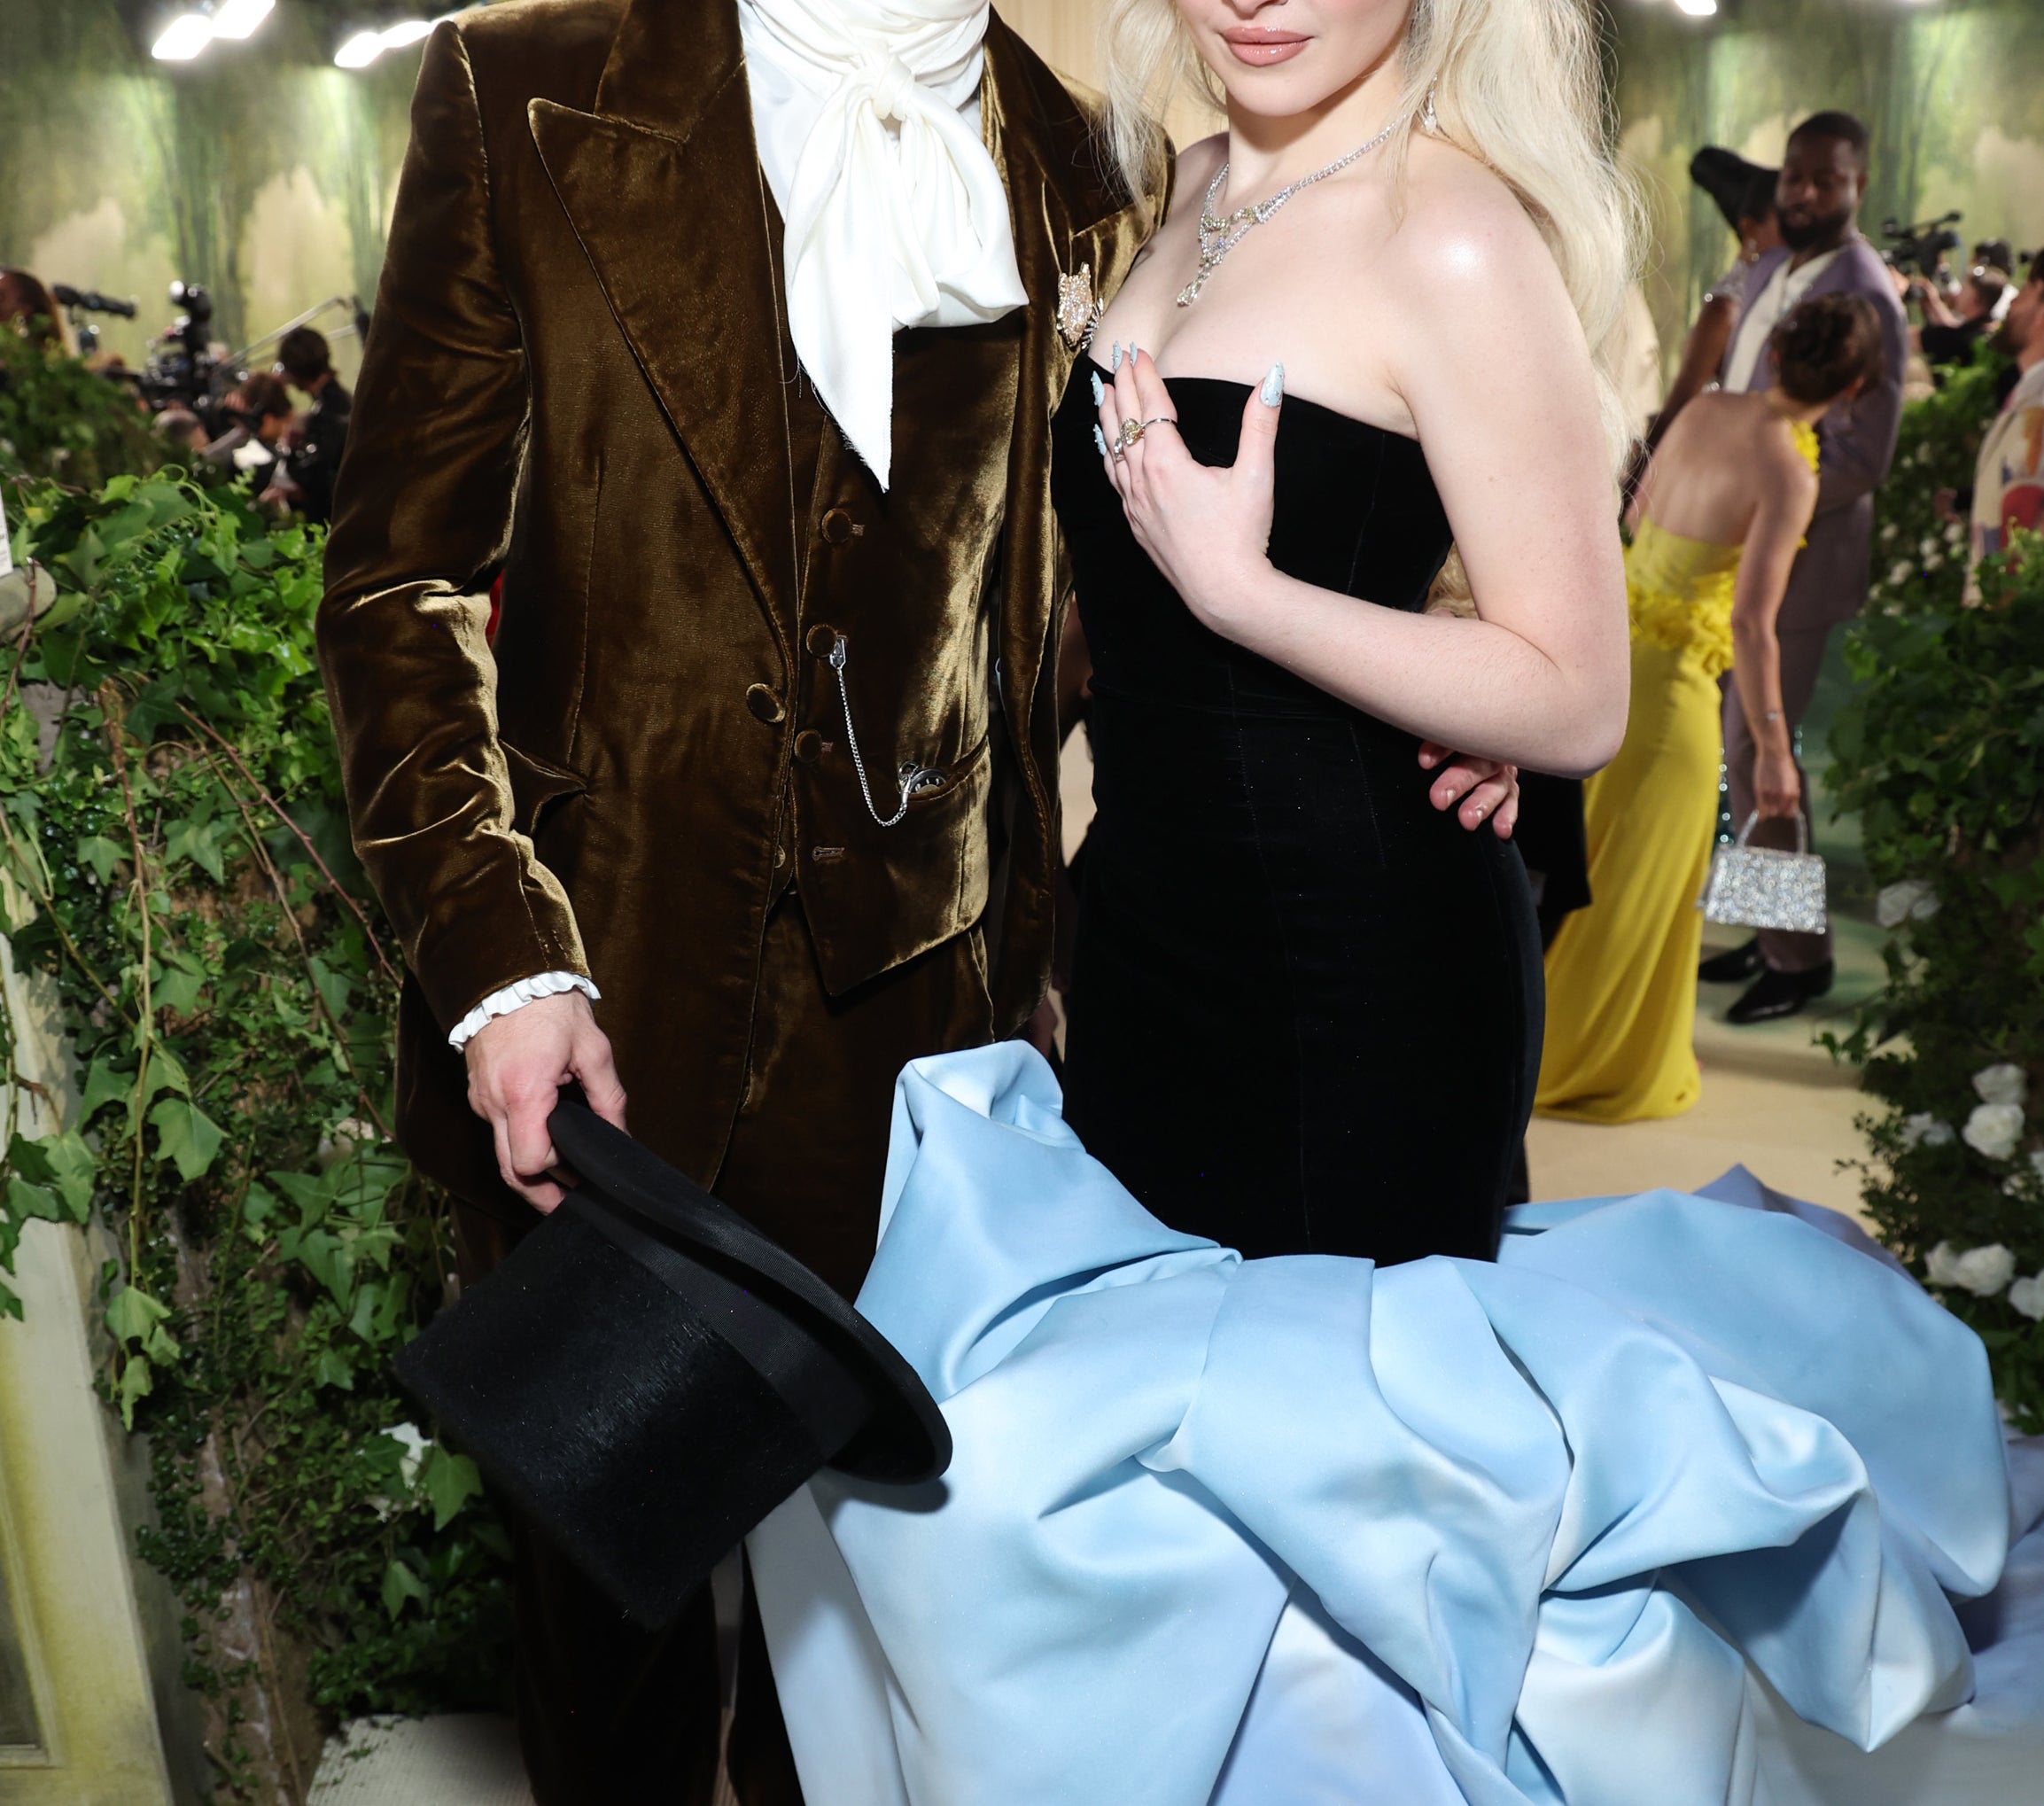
1306 1014
1268 1532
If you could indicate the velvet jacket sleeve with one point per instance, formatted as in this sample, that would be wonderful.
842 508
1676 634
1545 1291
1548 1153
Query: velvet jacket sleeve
422 510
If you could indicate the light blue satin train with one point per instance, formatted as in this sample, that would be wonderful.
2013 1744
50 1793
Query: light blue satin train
1669 1506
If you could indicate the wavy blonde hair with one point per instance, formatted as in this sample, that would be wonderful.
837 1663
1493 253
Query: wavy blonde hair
1518 84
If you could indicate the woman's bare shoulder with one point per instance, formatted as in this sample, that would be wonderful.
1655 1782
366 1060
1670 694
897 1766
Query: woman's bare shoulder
1461 221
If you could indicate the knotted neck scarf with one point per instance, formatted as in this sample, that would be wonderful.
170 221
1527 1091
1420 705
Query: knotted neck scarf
896 215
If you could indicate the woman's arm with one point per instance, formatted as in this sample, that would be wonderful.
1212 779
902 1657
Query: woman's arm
1789 498
1500 388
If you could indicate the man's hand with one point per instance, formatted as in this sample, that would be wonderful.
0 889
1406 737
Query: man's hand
1485 790
517 1066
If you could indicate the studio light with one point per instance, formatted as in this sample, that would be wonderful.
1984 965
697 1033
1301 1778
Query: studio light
365 47
237 19
360 50
183 38
1696 9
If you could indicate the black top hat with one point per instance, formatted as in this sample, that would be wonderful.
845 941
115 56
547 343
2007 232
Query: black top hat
1743 191
647 1376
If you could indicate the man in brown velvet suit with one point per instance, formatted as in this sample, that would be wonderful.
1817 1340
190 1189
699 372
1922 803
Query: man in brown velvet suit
582 373
763 749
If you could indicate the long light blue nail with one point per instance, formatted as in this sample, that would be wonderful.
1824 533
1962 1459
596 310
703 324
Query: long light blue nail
1273 391
1100 391
1099 437
1116 364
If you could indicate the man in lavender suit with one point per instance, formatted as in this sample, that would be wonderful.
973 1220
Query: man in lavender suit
1817 201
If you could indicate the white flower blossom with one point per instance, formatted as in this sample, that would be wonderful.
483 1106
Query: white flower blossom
2027 1296
1955 533
2002 1083
1888 533
1994 1129
415 1443
1983 1271
1912 900
1924 1130
1900 574
1927 545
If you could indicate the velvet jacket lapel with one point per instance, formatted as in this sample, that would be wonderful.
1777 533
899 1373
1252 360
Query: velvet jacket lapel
662 184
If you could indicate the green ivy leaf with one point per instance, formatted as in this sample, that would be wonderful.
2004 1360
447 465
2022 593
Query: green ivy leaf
186 1136
450 1481
400 1585
131 1313
102 854
198 842
177 982
136 1383
105 1083
25 1199
334 1368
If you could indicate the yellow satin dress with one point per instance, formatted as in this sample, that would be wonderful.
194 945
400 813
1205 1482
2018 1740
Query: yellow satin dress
1621 974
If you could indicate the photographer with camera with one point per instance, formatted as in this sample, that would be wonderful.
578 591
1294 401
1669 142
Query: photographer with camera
1817 201
319 437
1950 331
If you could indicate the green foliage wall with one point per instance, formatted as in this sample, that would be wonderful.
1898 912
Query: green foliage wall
259 169
1954 94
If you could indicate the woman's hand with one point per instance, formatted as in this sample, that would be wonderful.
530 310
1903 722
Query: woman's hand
1207 529
1476 789
1778 786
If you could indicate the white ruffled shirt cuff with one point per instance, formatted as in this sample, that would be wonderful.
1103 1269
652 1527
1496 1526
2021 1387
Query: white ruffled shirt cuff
516 997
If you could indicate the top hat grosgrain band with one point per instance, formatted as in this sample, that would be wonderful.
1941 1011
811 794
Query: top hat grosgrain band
904 1439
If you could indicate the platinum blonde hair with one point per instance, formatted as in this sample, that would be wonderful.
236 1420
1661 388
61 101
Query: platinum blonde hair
1518 84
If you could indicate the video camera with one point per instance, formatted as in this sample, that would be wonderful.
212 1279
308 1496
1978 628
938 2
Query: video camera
82 301
1921 247
182 370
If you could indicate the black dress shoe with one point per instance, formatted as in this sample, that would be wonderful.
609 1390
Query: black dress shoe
1734 966
1780 994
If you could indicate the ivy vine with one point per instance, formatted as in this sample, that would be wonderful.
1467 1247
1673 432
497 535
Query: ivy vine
1941 752
178 873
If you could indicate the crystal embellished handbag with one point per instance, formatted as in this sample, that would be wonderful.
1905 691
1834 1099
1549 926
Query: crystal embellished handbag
1760 887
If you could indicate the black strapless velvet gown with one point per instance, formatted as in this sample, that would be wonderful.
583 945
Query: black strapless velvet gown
1307 1006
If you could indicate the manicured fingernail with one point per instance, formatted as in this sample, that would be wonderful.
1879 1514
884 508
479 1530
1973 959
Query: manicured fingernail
1099 389
1099 437
1116 364
1274 386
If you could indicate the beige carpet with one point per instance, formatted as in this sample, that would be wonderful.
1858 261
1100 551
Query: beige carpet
1772 1098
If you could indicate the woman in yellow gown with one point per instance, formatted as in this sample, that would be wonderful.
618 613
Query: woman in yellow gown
1716 524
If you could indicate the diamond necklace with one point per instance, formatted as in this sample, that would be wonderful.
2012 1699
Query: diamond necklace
1217 238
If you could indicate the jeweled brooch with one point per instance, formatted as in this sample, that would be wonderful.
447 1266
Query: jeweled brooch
1078 313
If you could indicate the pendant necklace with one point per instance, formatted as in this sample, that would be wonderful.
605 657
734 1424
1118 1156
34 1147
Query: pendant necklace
1218 236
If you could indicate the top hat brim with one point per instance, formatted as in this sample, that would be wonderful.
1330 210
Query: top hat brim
905 1439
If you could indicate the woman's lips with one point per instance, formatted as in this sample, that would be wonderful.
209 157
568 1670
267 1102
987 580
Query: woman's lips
1259 49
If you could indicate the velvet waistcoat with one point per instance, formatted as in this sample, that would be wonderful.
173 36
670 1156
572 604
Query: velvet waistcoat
578 373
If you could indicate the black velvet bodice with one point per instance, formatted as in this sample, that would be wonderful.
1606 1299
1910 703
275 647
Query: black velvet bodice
1306 1008
1356 511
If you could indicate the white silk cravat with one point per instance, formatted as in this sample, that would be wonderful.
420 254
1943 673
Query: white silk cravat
896 215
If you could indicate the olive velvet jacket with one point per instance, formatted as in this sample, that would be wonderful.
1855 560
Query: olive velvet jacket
575 375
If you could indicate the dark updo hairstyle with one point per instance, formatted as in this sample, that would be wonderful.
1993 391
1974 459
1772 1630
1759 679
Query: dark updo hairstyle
1827 344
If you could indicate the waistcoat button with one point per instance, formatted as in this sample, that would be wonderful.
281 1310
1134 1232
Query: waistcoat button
764 704
838 526
808 745
821 640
